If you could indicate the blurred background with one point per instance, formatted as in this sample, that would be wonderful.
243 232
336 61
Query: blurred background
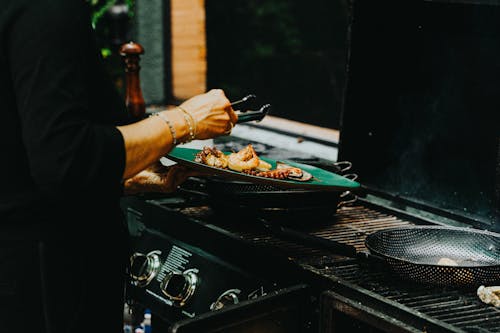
291 54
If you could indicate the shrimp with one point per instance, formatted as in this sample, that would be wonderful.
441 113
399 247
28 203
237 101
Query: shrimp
263 166
245 159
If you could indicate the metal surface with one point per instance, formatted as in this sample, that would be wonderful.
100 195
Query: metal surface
439 309
440 255
428 307
428 254
144 267
277 204
181 293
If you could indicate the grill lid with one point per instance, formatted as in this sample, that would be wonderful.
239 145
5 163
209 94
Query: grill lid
420 121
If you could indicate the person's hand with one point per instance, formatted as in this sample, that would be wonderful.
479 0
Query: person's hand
212 113
158 179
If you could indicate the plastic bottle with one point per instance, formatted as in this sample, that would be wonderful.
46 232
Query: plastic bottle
147 321
127 319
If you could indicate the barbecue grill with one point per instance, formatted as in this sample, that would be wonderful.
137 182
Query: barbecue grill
416 84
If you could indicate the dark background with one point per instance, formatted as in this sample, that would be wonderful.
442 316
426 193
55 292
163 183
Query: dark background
422 104
291 54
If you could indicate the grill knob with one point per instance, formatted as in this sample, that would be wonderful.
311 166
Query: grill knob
144 267
180 287
226 298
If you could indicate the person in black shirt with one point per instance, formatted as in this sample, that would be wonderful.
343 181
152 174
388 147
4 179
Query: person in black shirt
67 148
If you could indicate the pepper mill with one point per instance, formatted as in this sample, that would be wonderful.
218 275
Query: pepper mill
134 100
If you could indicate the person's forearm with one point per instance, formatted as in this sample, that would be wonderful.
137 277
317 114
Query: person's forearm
201 117
150 139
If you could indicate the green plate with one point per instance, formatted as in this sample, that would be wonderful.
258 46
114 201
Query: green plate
322 179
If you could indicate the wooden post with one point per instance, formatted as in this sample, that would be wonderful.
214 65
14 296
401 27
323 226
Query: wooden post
189 63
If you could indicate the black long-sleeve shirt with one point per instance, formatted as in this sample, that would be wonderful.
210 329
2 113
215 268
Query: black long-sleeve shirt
62 156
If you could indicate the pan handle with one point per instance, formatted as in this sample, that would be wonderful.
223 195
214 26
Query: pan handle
351 176
348 166
346 194
311 240
335 247
372 259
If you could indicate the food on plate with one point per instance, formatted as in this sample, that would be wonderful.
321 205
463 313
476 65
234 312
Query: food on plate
213 157
295 173
447 262
263 166
489 295
276 174
247 161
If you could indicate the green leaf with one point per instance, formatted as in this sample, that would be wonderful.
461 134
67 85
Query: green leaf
105 52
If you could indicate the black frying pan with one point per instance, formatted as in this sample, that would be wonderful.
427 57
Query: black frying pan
277 205
438 255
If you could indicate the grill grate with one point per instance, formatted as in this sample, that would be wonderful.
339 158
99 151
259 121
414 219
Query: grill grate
459 308
351 225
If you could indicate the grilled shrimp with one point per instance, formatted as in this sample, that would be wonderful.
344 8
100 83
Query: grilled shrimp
263 166
245 159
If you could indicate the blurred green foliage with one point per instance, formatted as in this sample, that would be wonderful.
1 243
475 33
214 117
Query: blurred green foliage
110 32
100 7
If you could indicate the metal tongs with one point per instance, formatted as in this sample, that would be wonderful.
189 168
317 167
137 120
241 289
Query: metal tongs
246 113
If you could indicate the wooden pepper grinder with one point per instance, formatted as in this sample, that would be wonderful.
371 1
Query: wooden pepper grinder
134 100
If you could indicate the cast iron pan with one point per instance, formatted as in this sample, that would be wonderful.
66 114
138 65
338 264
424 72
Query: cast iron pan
277 205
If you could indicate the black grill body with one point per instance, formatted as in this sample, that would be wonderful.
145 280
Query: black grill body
420 125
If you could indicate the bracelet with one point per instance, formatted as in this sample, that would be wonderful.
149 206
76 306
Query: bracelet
191 134
167 121
193 127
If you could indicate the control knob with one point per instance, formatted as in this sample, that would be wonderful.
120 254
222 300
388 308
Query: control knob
228 297
180 287
144 267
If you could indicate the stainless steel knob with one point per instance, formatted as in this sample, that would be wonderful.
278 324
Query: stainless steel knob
180 287
144 267
226 298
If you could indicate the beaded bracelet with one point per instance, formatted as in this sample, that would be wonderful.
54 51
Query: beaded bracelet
192 125
170 126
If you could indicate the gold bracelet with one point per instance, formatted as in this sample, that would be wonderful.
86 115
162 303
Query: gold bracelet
191 134
194 125
170 126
